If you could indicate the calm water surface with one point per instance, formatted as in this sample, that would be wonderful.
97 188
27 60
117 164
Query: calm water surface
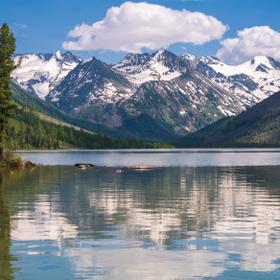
210 222
159 157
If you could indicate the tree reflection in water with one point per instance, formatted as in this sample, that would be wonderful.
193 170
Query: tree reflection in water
6 258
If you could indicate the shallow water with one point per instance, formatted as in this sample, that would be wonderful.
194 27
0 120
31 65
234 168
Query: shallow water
157 157
166 223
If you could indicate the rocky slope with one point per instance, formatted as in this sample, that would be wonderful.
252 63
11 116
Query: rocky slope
250 82
181 105
258 126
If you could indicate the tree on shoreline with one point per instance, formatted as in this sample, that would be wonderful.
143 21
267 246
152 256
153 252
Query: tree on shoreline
7 65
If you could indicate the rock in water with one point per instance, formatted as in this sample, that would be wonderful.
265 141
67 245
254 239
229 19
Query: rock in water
29 165
84 166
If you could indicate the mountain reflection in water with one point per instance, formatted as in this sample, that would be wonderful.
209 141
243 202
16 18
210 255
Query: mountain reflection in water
165 223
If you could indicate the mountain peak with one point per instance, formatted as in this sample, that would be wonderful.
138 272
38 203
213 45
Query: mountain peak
134 59
58 54
161 54
189 56
161 65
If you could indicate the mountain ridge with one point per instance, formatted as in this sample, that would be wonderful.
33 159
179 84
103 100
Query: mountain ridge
258 126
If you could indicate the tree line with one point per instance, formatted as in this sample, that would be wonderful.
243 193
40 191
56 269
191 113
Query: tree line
7 65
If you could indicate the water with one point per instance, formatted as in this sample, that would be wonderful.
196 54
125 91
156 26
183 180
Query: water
166 223
158 157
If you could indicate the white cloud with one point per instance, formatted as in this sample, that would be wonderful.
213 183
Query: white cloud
134 26
250 42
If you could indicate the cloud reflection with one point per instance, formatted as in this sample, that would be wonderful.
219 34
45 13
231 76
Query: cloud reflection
172 223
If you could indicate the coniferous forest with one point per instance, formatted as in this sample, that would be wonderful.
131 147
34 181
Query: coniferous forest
26 130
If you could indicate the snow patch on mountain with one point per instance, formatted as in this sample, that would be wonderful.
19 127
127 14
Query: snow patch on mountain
258 67
40 73
160 66
251 81
109 93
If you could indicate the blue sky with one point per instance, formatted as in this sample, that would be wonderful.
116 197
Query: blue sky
42 26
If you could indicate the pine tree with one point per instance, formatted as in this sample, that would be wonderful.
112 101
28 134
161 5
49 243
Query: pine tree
7 65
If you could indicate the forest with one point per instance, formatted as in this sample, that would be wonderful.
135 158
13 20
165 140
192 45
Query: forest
27 130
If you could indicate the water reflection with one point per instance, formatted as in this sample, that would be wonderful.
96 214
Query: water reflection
6 258
168 223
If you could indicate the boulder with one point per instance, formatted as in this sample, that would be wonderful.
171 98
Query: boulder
84 165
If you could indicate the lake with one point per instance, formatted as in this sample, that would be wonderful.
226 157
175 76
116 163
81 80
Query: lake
205 219
157 157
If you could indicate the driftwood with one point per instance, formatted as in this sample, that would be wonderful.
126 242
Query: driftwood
141 167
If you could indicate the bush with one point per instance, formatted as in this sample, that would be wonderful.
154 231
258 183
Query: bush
11 161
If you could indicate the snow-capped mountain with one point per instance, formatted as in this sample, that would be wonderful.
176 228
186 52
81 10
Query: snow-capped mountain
174 95
152 95
182 105
40 73
92 84
177 105
159 66
250 82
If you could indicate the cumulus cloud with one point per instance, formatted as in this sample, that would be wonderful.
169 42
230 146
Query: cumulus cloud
250 42
134 26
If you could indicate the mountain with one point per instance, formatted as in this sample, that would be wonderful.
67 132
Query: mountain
92 81
39 73
37 124
172 102
92 91
152 96
32 101
249 82
258 126
178 106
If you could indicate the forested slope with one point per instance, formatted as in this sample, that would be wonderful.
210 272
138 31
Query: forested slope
38 125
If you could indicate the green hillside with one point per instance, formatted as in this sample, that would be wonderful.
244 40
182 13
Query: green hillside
27 130
30 100
258 126
38 125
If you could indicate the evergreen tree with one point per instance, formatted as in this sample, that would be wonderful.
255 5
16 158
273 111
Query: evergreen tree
7 65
